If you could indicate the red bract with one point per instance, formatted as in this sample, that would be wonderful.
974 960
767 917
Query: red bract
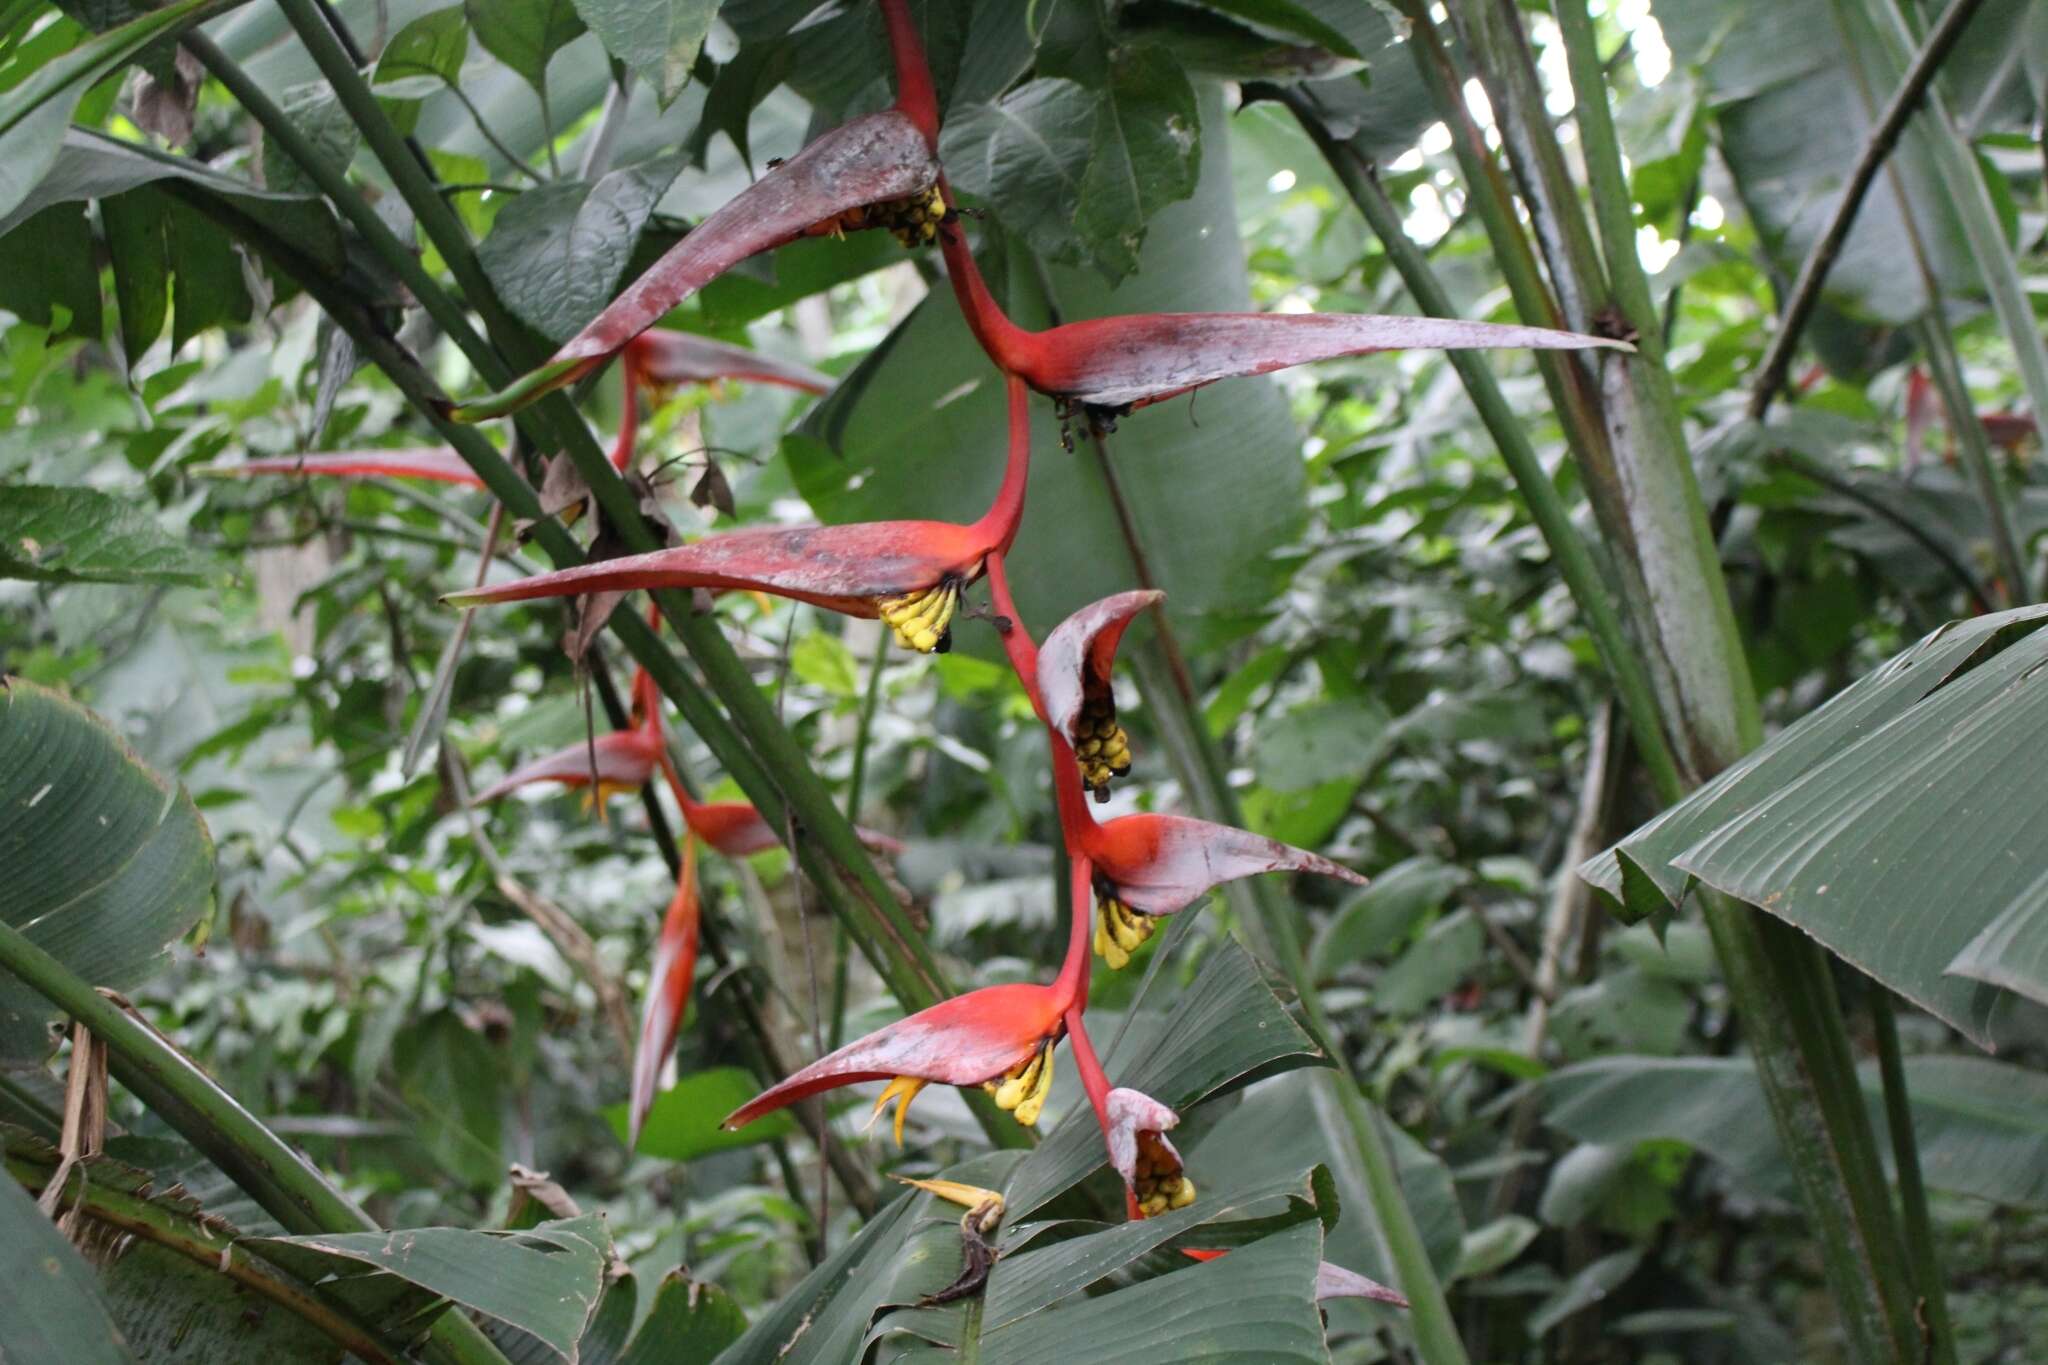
661 358
624 760
998 1033
1112 365
1073 683
909 573
1135 1129
877 171
738 830
668 991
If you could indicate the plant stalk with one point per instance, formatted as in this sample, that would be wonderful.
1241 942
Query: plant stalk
288 1186
1921 1255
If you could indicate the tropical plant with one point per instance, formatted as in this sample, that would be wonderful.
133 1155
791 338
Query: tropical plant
1434 627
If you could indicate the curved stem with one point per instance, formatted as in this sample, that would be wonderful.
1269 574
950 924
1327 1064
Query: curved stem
1006 513
1017 642
1005 342
1093 1079
914 94
1072 982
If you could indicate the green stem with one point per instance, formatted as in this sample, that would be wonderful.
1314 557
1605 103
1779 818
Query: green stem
196 1240
1510 434
1921 1256
274 1174
1973 447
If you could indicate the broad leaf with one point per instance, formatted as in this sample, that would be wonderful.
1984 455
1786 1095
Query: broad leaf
1079 171
544 1282
80 535
1898 824
1371 921
35 113
1225 1025
556 253
426 54
1792 120
525 36
1982 1126
689 1321
105 862
658 39
683 1124
50 1307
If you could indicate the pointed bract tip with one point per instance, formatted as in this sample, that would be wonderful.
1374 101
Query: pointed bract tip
954 1191
521 391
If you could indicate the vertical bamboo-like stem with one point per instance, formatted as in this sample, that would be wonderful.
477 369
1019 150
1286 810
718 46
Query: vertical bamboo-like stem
1921 1255
1781 981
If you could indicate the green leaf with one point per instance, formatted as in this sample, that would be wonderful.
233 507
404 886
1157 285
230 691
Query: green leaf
1492 1247
1918 786
49 1302
81 535
316 113
1225 1025
1372 920
1981 1126
1452 949
683 1124
134 227
50 265
1585 1289
1321 742
689 1321
1079 171
1146 153
525 35
1211 491
92 165
105 863
1289 17
425 55
452 1080
1281 1123
35 112
658 39
555 253
826 663
544 1282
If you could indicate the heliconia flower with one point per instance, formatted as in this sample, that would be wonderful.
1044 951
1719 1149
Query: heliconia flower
1105 367
661 358
1332 1281
877 171
1142 1154
1148 865
668 992
622 760
738 830
1073 682
998 1037
908 573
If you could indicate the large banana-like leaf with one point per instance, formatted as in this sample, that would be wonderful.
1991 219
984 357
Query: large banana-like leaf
104 862
49 1307
1900 824
1981 1126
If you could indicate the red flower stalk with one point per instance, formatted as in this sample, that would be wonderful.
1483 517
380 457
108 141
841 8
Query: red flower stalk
1108 366
999 1037
880 170
1332 1281
668 992
908 573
